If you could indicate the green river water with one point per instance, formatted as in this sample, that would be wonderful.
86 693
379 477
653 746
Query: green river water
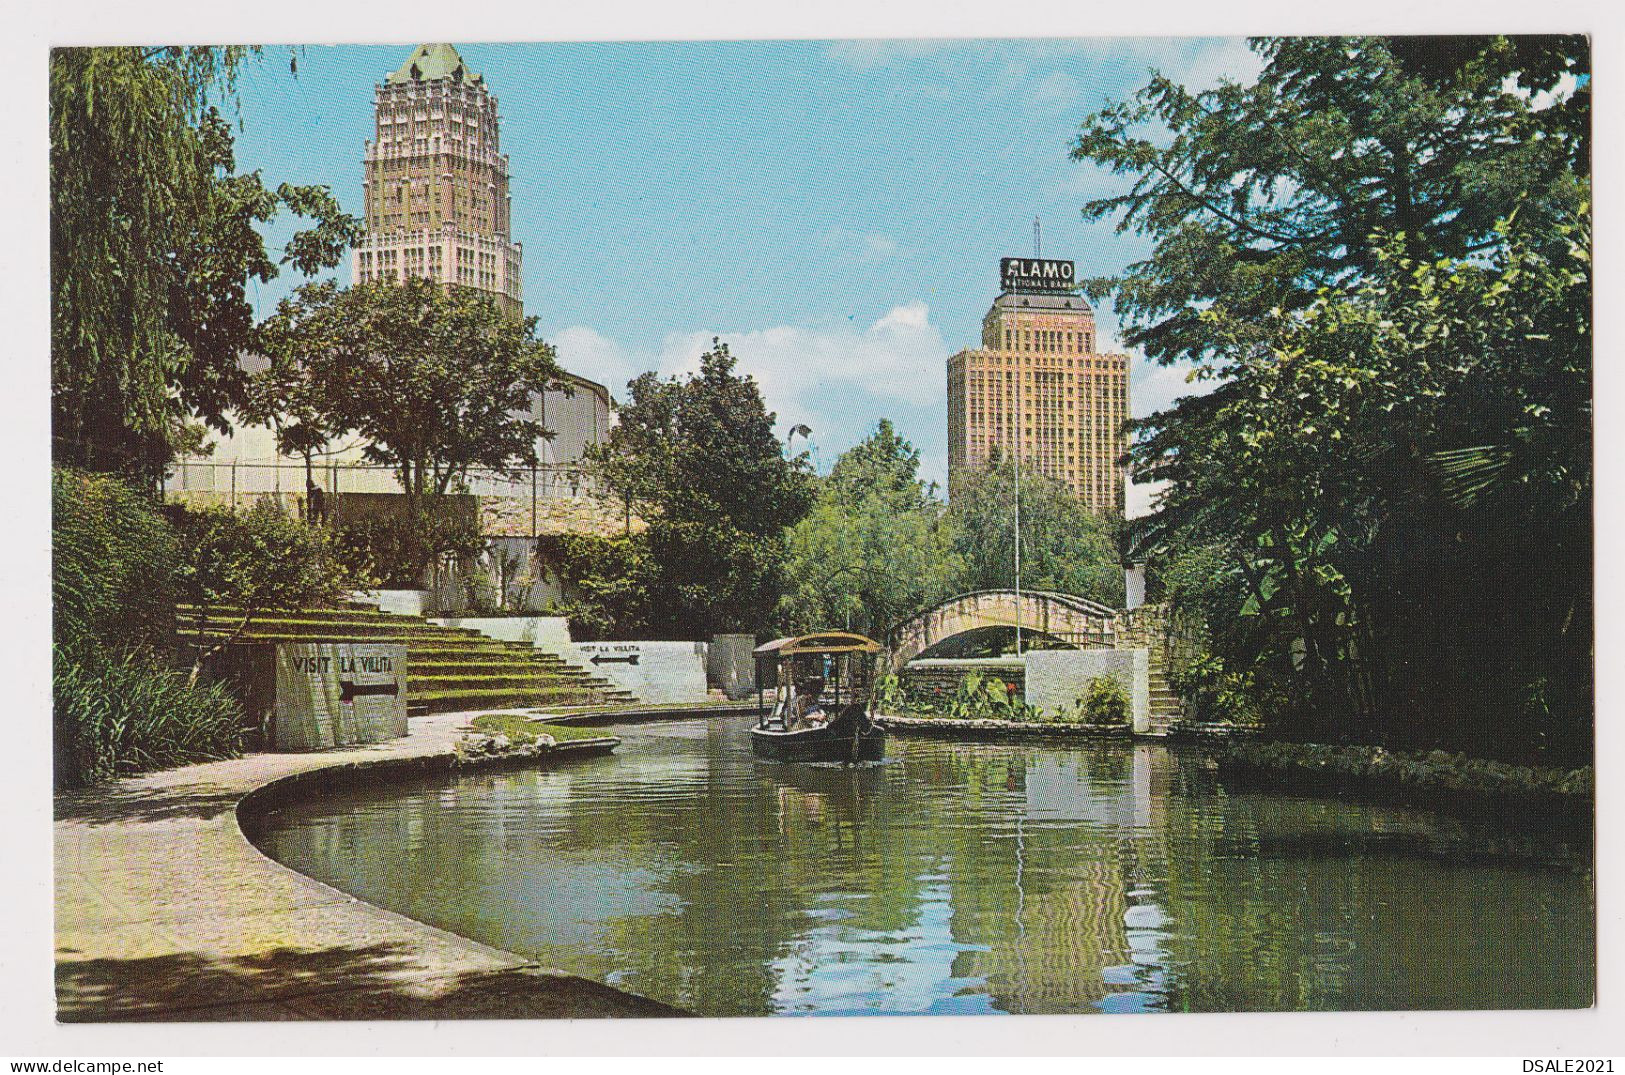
964 878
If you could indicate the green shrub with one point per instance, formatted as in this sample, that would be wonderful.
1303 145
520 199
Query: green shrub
1105 702
117 707
396 548
122 714
113 562
1215 695
890 697
987 698
252 561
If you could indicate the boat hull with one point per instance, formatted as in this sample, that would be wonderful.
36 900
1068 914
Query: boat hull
818 745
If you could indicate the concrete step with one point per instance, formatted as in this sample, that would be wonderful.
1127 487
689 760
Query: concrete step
447 667
268 625
516 678
330 616
412 645
444 701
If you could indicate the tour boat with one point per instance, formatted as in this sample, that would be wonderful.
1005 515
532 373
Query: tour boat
823 694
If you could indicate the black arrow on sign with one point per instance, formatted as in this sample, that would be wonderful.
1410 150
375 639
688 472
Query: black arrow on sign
630 658
349 691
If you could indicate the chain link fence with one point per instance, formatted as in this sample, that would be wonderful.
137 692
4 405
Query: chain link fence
553 481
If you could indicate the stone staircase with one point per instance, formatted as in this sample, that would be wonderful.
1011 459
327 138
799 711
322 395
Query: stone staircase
447 668
1143 629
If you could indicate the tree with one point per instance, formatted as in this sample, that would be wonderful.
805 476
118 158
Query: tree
154 241
1381 252
113 560
249 562
1399 480
435 380
1259 195
1065 547
883 463
873 549
696 458
284 397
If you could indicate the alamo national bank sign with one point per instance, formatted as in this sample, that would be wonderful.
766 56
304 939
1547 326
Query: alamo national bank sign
1036 275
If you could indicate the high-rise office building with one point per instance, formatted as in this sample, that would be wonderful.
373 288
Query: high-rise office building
1037 389
437 206
436 182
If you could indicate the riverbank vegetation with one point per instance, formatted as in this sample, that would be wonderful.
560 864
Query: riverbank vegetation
1376 526
123 700
878 546
118 705
1375 768
1104 703
518 728
696 460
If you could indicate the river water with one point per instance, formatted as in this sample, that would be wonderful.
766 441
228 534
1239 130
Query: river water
963 878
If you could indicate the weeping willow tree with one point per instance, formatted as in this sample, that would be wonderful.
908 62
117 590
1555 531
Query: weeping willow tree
154 242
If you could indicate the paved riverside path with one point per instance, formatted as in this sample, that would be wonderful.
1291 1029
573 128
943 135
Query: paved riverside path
165 911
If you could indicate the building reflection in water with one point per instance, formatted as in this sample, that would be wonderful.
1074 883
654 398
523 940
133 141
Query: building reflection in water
960 878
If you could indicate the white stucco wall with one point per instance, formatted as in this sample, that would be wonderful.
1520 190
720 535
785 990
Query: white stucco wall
548 633
661 672
1057 678
397 602
656 672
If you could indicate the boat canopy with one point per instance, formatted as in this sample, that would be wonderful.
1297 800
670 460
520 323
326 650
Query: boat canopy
825 642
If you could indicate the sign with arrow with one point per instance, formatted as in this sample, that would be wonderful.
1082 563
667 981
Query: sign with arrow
630 658
332 694
350 691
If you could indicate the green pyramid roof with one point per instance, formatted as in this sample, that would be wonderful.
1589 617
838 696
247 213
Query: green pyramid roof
431 62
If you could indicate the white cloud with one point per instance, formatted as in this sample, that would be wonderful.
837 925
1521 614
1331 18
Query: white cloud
802 369
591 354
1154 387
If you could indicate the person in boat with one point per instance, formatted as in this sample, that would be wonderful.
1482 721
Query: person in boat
807 708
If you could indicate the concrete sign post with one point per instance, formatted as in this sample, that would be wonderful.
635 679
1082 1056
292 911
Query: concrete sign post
336 694
730 666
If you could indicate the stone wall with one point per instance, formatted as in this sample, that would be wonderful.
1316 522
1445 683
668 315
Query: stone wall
318 695
933 675
513 516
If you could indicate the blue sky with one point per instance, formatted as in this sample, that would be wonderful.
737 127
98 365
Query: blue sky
835 210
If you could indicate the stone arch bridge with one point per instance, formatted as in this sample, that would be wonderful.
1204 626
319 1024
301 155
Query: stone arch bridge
1072 620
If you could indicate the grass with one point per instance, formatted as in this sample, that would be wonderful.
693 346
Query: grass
613 708
121 715
521 729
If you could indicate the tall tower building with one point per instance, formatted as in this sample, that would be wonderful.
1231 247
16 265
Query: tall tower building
1038 390
436 182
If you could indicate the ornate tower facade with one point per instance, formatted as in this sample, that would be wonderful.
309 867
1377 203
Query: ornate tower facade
436 182
1039 390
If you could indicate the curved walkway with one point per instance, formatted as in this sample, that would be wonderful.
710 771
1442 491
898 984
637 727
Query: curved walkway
165 911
